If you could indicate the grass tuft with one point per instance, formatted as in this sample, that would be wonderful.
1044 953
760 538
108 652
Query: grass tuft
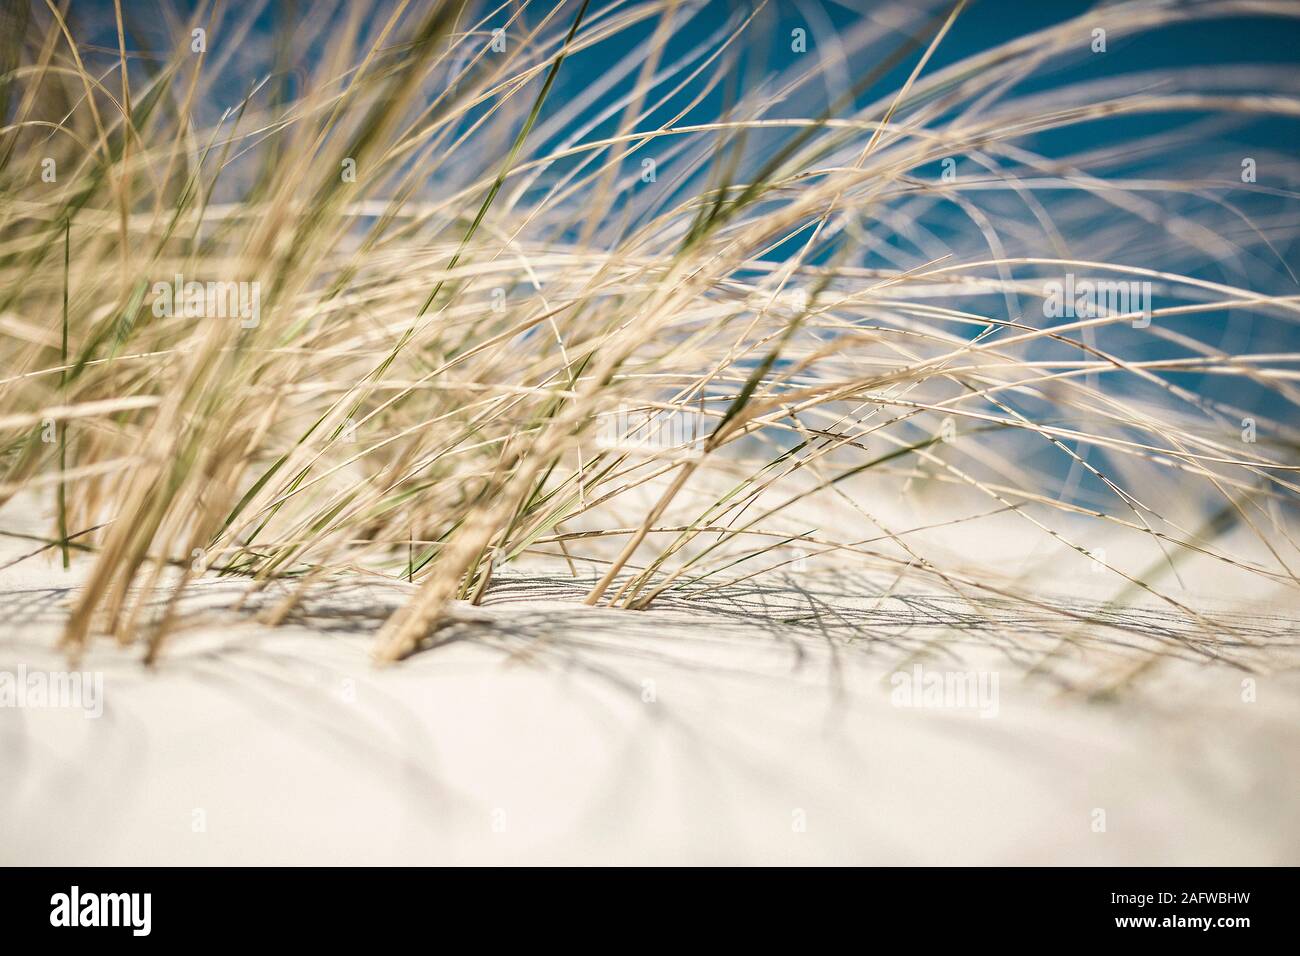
642 294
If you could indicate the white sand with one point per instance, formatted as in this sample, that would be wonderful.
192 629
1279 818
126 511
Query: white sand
530 737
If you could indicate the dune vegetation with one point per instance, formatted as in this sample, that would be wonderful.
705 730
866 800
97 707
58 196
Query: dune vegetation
637 289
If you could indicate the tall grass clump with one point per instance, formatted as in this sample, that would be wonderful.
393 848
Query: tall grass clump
664 295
